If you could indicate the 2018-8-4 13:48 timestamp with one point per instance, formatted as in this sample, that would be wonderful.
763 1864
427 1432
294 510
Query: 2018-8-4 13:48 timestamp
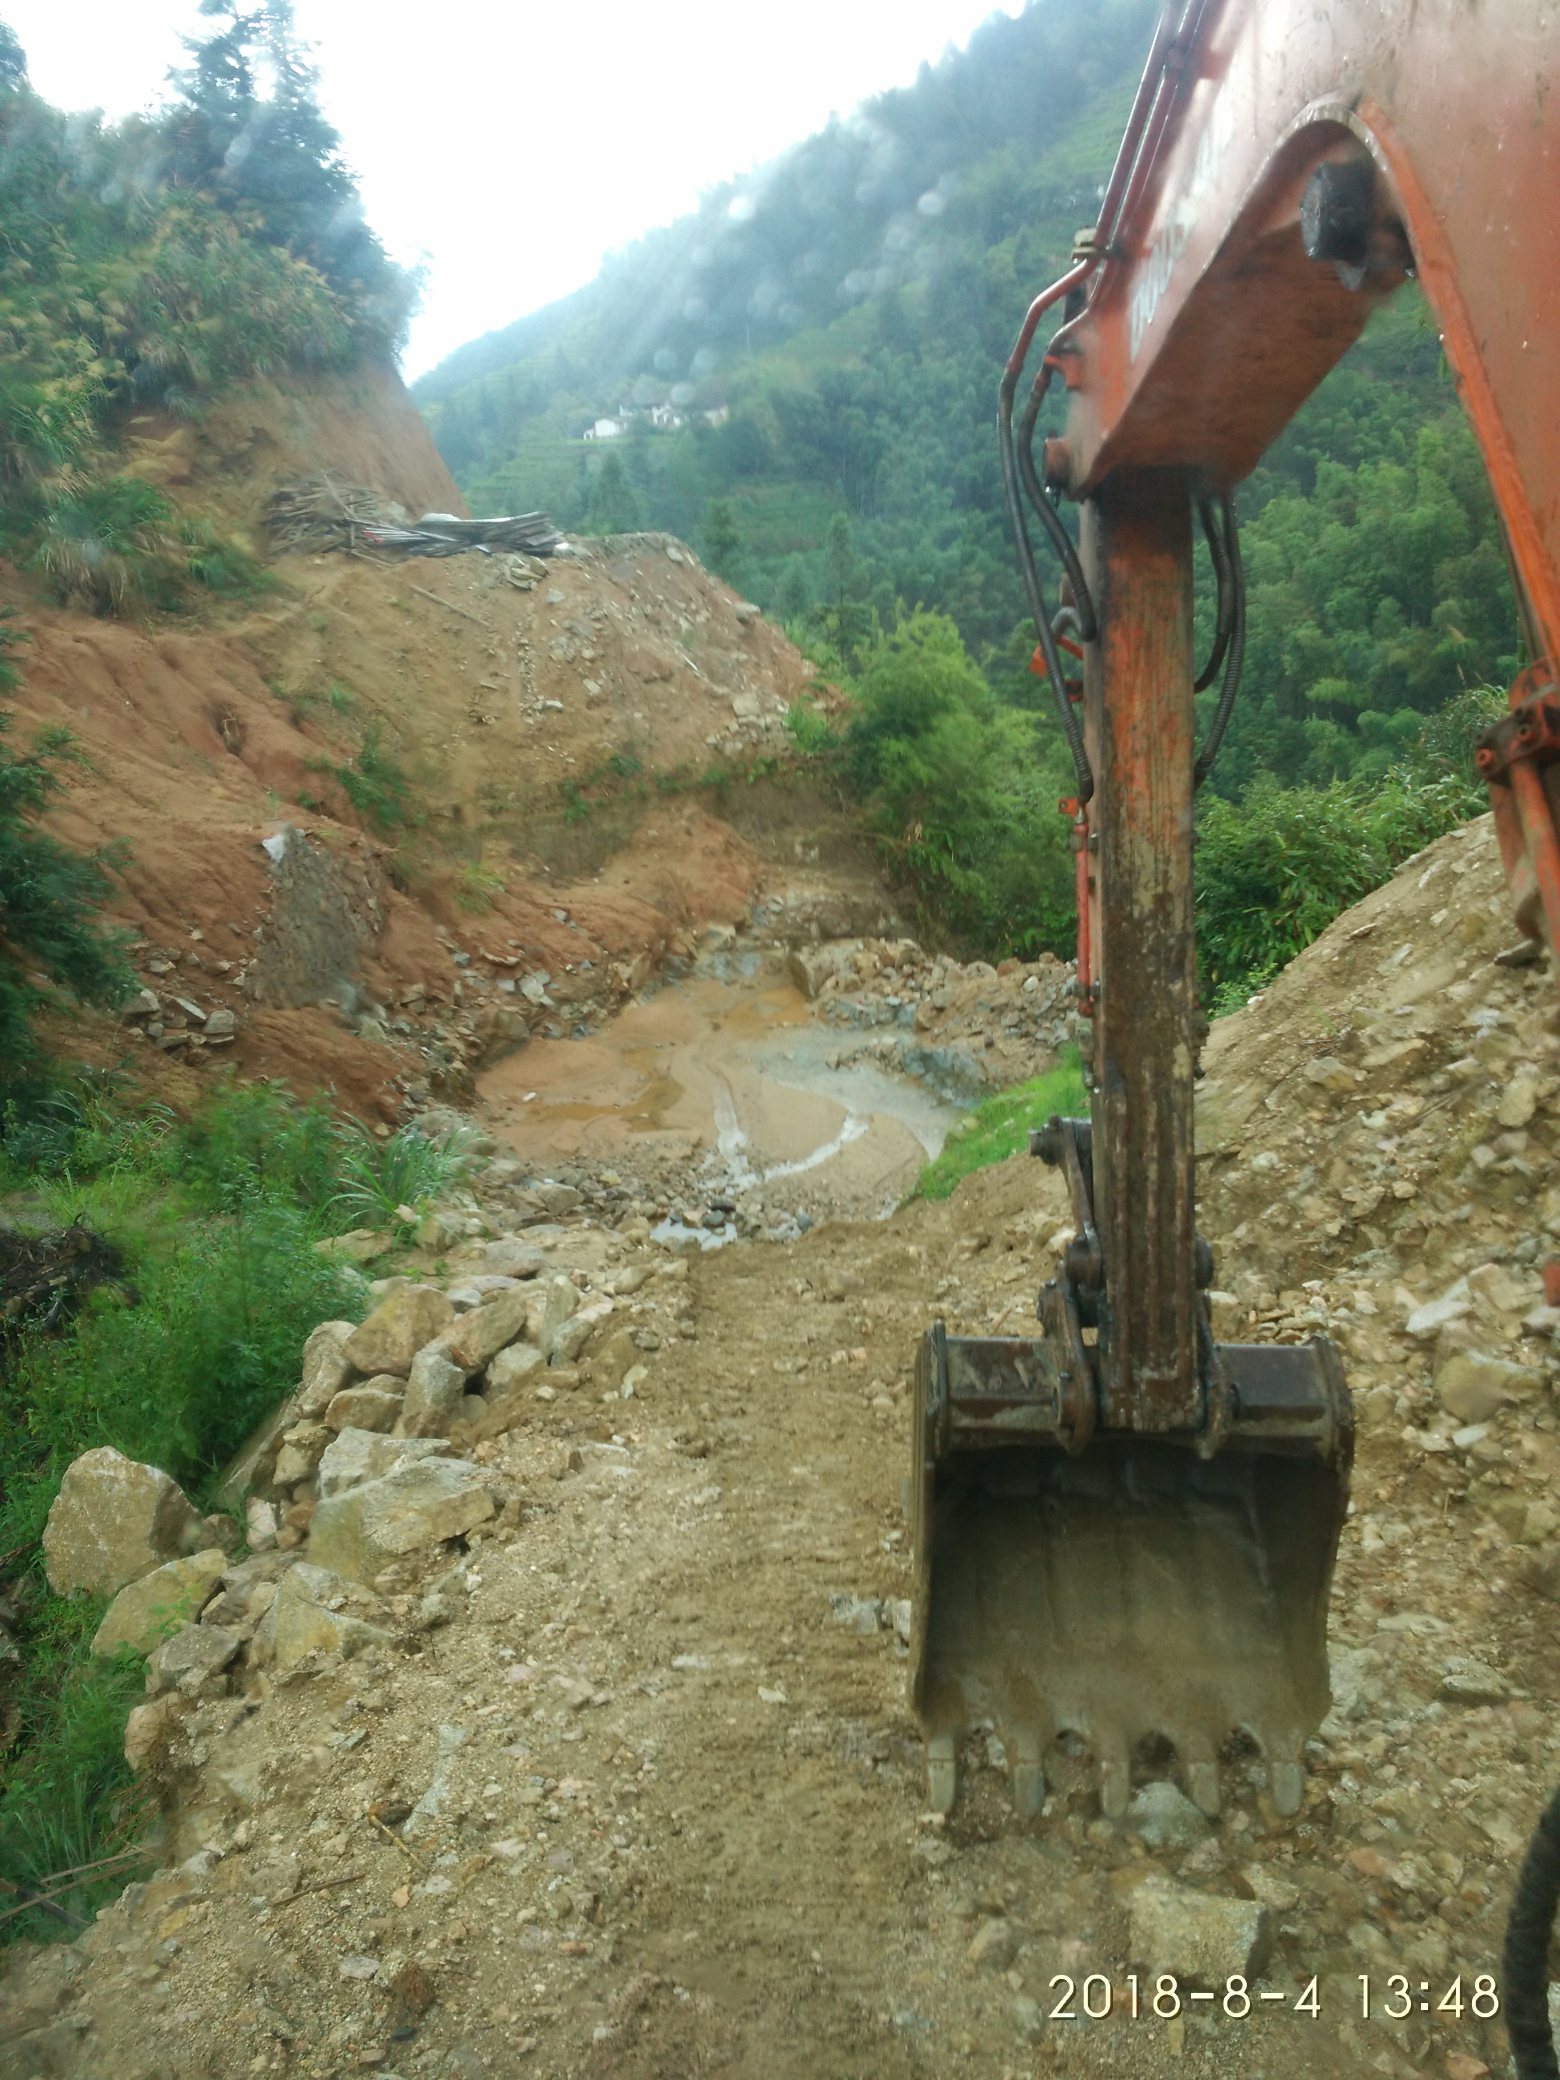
1096 1996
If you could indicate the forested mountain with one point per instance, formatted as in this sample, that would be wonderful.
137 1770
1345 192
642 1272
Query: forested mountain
147 264
829 332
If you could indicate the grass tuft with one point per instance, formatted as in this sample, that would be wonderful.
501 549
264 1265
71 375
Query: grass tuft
999 1126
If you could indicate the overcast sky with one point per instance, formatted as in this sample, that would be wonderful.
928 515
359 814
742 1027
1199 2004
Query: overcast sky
510 146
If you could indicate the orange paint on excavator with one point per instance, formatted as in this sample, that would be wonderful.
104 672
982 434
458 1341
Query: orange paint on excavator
1125 1532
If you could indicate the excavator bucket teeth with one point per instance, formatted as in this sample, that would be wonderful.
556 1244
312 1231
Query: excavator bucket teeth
1134 1594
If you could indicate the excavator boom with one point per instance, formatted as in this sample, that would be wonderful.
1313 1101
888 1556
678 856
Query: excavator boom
1125 1532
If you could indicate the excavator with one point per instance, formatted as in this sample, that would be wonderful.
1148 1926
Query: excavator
1124 1531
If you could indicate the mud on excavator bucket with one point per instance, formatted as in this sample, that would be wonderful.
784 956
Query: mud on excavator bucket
1123 1589
1131 1593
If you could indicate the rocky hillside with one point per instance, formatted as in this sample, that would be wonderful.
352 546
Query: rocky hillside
554 1717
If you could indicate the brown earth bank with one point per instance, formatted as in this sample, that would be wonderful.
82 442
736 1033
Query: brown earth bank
562 733
623 1781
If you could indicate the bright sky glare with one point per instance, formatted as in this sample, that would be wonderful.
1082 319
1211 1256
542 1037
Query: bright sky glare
509 147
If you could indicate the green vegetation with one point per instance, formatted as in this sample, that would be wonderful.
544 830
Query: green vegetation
376 784
145 266
207 1282
999 1126
1275 869
829 334
51 944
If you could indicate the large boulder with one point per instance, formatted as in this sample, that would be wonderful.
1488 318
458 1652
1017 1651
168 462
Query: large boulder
326 1366
308 1617
148 1611
435 1387
509 1257
366 1455
113 1521
362 1531
375 1405
191 1661
399 1327
483 1333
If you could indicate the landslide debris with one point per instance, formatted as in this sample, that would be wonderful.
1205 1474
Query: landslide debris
618 1776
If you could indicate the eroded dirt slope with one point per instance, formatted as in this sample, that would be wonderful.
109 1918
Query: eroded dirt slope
539 731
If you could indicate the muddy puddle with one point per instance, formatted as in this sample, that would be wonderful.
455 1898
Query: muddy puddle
735 1077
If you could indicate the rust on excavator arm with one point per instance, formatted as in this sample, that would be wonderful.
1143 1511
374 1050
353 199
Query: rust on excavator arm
1123 1532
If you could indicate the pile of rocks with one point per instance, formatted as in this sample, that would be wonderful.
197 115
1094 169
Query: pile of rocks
383 1453
965 1029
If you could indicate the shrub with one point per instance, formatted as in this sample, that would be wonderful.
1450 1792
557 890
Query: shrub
50 937
1275 868
408 1169
376 784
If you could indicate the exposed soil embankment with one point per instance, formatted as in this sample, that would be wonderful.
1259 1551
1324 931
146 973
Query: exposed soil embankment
486 774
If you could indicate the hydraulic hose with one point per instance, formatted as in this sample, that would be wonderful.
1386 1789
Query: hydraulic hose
1212 528
1050 518
1525 1962
1236 649
1071 726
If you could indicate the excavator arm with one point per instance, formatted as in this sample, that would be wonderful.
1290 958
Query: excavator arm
1124 1531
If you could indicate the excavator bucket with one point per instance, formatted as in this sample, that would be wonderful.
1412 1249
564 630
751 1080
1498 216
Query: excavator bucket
1131 1593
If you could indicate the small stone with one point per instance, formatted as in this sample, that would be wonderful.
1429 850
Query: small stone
1541 1573
1268 1889
1470 1682
1493 1286
151 1609
993 1946
1472 1386
509 1257
372 1406
300 1453
260 1524
1331 1074
145 1730
368 1455
191 1661
220 1024
1165 1818
434 1388
326 1366
300 1621
114 1520
1519 1101
403 1323
1426 1322
1199 1937
857 1613
422 1502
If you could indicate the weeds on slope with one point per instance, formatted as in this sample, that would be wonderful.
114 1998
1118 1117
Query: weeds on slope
204 1231
999 1126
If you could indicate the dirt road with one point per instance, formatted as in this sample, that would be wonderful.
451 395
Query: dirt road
629 1787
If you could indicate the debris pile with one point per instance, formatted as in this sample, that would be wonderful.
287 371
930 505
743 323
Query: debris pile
316 515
